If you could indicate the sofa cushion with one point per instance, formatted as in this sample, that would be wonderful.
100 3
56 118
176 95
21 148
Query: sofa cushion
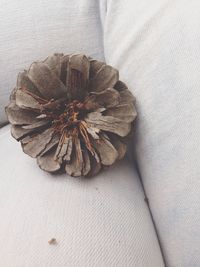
156 47
101 221
32 30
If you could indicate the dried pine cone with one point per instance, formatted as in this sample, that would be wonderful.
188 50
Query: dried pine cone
71 112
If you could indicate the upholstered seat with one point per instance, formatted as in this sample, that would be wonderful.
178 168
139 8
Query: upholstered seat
101 221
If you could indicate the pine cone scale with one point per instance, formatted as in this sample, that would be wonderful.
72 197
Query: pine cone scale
106 77
107 152
47 82
107 98
47 162
18 116
26 100
108 123
36 144
77 76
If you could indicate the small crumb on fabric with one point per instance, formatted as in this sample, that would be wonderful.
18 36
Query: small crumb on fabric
52 241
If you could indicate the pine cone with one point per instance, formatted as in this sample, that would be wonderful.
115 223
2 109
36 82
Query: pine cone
71 113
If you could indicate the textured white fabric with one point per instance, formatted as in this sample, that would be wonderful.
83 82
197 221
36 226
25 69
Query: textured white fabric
102 221
156 46
32 30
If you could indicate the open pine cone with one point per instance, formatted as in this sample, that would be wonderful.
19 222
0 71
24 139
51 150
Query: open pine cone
71 113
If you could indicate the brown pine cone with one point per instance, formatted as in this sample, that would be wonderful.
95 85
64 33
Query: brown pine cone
71 113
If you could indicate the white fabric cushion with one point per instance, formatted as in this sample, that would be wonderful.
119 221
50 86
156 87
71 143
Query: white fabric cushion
102 221
156 47
32 30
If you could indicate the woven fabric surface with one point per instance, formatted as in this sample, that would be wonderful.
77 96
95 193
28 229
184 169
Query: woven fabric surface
102 221
156 47
33 30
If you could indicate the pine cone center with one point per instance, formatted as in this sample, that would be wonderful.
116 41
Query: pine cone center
68 120
65 116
